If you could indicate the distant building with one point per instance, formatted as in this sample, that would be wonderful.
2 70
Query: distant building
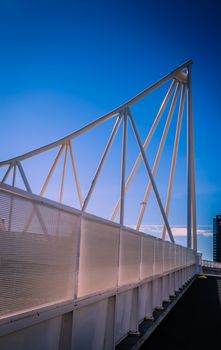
217 238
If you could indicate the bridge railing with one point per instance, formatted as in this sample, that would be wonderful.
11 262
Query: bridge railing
98 267
211 264
70 279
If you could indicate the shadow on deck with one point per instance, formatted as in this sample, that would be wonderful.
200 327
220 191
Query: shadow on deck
194 322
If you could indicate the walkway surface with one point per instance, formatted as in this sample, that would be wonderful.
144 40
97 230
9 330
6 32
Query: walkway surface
194 322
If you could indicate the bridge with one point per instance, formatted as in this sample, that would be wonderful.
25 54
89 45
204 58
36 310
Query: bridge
70 279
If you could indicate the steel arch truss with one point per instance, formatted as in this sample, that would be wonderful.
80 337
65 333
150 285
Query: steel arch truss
180 89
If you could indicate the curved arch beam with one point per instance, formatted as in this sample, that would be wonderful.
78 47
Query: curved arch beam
176 73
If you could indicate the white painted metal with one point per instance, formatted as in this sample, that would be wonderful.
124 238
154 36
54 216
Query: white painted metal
101 120
35 208
158 157
7 173
179 77
193 193
145 145
76 174
104 156
98 261
151 178
76 280
63 173
51 172
123 171
12 199
24 178
102 314
194 204
212 264
191 200
174 157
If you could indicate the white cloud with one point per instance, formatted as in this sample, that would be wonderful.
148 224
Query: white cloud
178 231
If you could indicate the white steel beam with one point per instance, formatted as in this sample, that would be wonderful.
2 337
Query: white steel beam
7 173
51 172
174 157
158 156
191 196
45 185
103 158
28 188
145 145
14 176
24 178
194 205
63 173
123 171
12 199
151 177
75 174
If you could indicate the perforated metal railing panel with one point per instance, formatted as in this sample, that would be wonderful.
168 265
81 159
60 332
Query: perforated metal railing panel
51 253
98 257
36 267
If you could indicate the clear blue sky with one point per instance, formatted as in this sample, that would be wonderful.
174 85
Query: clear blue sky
63 64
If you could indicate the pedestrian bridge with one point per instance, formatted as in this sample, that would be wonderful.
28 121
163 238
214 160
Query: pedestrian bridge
73 280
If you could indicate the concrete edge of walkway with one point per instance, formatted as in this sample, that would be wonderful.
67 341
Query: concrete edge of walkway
134 342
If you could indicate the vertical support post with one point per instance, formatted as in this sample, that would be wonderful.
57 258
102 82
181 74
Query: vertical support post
12 198
14 176
77 261
123 172
62 187
75 174
63 173
194 205
104 156
191 199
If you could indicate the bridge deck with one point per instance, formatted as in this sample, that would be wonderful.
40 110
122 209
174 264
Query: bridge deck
194 322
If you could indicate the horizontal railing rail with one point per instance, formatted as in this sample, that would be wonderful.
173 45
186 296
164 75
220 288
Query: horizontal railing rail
212 264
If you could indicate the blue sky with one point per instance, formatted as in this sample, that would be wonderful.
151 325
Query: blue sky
63 64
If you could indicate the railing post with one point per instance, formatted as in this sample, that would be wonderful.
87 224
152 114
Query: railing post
123 171
191 198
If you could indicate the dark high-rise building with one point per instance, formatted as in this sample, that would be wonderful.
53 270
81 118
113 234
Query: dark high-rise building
217 238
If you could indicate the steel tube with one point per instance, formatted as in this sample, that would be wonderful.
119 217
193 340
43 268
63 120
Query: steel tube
12 199
28 188
174 156
158 156
63 173
51 172
151 177
24 178
103 158
75 174
123 171
145 145
189 174
7 173
191 195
